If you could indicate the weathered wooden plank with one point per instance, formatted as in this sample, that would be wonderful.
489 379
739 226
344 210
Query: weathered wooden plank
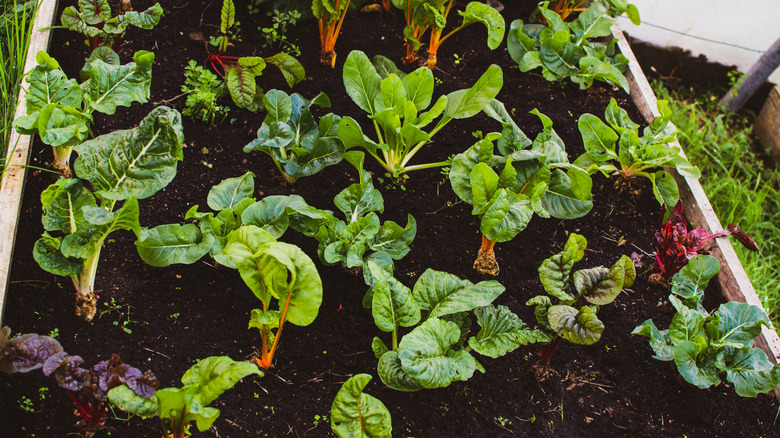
767 124
733 281
12 184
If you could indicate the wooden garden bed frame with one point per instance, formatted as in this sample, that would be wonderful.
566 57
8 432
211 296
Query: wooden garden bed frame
732 279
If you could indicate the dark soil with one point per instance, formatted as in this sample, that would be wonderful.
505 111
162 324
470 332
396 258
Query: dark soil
179 314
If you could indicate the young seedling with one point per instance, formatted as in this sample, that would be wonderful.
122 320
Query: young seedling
588 288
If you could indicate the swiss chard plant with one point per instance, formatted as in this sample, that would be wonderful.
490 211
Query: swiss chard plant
121 167
616 146
527 177
282 277
176 408
357 414
95 20
396 104
60 109
705 345
361 236
567 50
422 15
295 141
565 8
240 73
330 16
233 207
578 296
675 245
438 350
87 388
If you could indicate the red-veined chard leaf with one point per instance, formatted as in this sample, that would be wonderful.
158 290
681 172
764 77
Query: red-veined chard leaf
577 327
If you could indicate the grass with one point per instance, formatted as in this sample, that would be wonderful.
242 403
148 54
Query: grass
743 185
16 20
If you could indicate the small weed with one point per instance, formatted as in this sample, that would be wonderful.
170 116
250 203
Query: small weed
318 419
276 35
270 408
456 59
123 320
55 333
26 404
501 421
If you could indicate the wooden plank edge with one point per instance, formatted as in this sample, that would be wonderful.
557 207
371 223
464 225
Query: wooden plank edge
17 156
732 279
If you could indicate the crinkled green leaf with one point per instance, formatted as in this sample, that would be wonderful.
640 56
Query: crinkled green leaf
694 365
168 244
393 375
425 354
47 254
440 293
393 304
230 191
735 324
63 204
356 414
554 271
133 162
111 86
502 331
577 327
749 370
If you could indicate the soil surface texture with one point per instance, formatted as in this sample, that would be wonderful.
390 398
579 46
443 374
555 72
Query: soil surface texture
164 319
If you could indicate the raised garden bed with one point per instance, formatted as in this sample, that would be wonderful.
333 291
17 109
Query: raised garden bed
165 318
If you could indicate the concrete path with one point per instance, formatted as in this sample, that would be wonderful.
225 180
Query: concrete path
729 32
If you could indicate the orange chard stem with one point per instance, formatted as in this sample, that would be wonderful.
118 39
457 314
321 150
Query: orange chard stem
335 34
269 356
322 33
487 244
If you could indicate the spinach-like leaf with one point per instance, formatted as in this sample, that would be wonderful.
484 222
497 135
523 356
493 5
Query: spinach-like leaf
357 414
703 345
